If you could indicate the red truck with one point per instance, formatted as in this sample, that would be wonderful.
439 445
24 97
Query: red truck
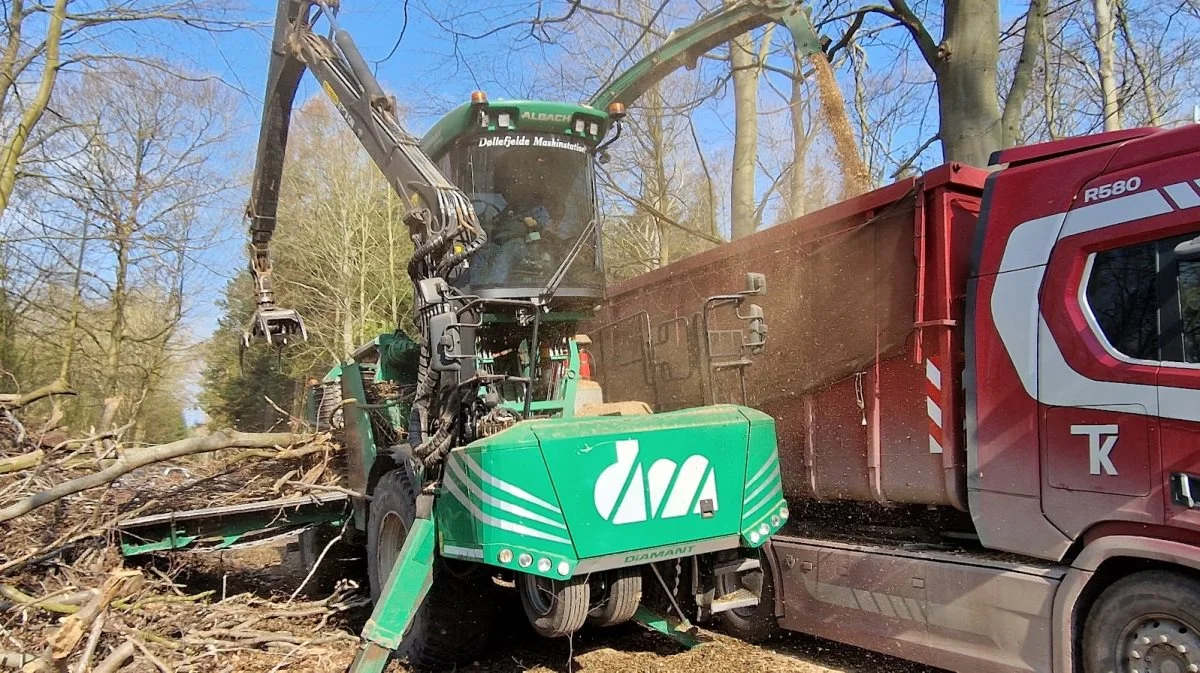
987 391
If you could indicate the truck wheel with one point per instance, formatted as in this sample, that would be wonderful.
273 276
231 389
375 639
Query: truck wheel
1147 622
620 594
554 609
451 626
752 624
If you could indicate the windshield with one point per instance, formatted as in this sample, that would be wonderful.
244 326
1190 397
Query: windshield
533 195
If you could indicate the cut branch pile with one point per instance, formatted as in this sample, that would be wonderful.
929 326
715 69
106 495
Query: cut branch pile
70 604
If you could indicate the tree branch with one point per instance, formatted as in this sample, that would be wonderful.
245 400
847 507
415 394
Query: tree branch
132 460
58 387
925 43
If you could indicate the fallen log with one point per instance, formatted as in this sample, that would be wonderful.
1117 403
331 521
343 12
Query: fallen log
21 462
136 458
16 401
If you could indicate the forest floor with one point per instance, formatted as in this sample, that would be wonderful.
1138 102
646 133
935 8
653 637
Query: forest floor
514 648
69 603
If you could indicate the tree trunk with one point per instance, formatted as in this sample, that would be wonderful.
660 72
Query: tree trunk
1153 110
1018 93
346 283
116 331
1105 48
14 146
965 66
745 135
656 186
68 339
797 203
12 46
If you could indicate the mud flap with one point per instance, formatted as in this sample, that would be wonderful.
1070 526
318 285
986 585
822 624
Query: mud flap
682 633
402 596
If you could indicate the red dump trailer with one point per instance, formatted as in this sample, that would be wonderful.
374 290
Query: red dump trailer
987 391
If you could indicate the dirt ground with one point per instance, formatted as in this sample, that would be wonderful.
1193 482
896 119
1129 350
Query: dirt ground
514 648
632 649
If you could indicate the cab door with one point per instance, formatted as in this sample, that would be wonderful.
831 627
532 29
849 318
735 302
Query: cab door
1101 346
1179 381
1098 364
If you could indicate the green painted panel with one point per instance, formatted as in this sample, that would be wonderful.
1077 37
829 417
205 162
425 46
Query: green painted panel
631 482
763 502
496 495
524 115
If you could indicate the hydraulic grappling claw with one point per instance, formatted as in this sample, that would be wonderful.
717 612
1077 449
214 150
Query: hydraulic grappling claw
277 326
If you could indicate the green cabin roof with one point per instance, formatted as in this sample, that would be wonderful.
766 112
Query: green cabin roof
531 116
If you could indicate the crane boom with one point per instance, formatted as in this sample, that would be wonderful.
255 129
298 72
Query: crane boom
441 219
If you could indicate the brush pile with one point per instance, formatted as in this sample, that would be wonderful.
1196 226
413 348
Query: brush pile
69 602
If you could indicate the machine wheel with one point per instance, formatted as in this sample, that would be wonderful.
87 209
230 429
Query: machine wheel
554 608
1147 622
752 624
452 625
310 544
620 595
329 406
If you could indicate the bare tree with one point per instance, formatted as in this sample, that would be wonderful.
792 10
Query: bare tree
1106 61
118 229
34 52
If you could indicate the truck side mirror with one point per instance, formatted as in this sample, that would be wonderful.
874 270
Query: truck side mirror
758 329
1188 251
756 283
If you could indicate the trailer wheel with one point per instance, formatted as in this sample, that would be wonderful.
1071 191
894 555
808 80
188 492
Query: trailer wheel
752 624
451 626
620 594
1147 622
555 609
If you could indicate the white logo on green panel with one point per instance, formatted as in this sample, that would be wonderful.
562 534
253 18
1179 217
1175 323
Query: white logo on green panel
627 493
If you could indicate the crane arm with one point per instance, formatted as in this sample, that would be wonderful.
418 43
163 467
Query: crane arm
685 46
441 218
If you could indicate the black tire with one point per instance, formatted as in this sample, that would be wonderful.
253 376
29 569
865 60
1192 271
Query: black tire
310 544
451 627
329 404
754 624
620 598
554 609
1151 613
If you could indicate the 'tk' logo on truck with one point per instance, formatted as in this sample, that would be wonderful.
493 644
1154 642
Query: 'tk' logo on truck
674 490
1101 441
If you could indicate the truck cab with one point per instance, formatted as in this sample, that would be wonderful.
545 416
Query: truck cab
1086 329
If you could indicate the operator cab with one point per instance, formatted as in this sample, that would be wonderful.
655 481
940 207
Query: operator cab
528 168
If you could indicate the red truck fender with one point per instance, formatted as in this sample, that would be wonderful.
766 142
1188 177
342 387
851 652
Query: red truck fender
1084 568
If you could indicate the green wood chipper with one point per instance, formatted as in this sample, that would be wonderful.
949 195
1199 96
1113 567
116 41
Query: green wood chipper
491 459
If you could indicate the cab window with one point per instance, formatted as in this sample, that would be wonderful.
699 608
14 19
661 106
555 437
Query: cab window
1146 299
1122 293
